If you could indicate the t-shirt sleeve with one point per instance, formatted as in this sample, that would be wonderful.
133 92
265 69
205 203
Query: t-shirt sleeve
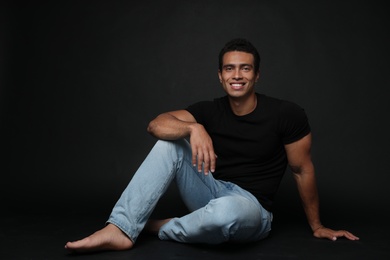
197 110
294 123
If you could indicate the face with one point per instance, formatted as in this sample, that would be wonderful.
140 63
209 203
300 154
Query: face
238 76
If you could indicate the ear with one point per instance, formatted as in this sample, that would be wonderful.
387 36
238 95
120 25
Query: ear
257 75
220 76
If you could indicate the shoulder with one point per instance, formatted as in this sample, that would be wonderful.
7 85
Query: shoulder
208 105
207 110
280 106
290 109
293 121
273 101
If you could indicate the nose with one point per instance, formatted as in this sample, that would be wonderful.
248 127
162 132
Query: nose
237 74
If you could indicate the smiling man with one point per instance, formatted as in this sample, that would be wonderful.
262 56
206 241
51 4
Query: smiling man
238 76
229 171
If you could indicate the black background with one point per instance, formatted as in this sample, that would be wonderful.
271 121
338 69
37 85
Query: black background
80 80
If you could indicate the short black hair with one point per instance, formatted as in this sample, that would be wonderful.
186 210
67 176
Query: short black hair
240 44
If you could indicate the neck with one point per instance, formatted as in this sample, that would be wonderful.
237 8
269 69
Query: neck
243 105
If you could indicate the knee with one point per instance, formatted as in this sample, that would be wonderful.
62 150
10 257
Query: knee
234 211
171 145
163 144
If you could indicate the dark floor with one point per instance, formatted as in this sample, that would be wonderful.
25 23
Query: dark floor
42 236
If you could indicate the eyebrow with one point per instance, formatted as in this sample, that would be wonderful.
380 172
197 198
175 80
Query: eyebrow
239 65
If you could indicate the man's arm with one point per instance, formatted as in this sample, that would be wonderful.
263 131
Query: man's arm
180 124
299 159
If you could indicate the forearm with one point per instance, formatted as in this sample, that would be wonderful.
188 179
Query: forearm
168 127
180 124
308 192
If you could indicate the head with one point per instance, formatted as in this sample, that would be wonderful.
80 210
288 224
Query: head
239 69
243 45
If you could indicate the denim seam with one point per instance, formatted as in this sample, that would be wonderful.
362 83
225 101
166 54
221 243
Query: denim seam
156 197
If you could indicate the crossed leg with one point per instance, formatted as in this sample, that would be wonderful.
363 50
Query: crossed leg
137 200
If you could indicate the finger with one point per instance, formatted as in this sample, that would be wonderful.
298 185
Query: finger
337 234
200 161
350 236
353 236
343 233
206 165
194 156
213 162
329 235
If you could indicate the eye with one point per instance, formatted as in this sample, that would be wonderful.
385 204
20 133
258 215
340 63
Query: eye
246 68
228 68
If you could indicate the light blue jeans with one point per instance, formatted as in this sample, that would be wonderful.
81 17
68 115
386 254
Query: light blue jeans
220 211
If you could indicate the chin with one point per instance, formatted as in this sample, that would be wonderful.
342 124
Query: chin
239 93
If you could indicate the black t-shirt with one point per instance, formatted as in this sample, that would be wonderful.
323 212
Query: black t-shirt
250 148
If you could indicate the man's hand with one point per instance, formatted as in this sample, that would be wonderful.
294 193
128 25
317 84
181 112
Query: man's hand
202 149
180 124
331 234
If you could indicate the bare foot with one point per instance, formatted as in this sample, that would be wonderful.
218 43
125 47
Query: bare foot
154 225
108 238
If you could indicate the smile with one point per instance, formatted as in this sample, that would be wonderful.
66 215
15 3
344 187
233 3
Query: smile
237 85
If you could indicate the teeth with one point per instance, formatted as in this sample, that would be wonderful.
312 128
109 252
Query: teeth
237 85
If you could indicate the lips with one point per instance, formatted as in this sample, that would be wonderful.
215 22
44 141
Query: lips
237 86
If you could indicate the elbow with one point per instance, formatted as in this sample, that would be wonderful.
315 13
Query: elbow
152 127
296 169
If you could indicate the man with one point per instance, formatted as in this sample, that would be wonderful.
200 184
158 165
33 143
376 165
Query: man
229 171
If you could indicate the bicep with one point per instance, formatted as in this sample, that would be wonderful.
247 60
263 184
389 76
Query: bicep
298 154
